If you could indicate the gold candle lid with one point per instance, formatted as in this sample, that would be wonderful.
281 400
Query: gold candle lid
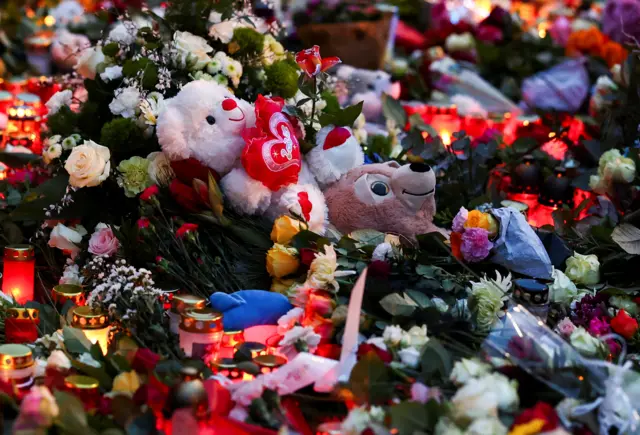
224 363
63 292
81 382
19 253
87 318
179 303
24 314
233 332
270 361
251 346
15 357
201 320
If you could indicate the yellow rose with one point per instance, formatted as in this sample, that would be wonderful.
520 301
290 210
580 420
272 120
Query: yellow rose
284 228
477 219
583 269
126 383
282 261
88 165
281 285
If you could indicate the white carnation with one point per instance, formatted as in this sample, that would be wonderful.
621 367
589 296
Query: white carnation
59 100
123 33
111 73
125 102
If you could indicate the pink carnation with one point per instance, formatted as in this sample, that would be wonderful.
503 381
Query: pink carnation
475 244
103 242
460 219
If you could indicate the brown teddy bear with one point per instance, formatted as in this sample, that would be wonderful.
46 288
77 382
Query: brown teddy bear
386 197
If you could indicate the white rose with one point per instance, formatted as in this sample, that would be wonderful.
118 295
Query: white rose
446 427
58 360
486 426
464 42
410 357
223 31
191 50
505 390
378 342
88 165
467 369
65 238
416 337
111 73
474 400
125 102
123 33
583 269
58 100
585 343
393 335
622 170
357 421
52 152
88 62
563 290
71 275
160 170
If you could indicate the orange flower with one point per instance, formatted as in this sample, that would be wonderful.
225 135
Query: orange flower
477 219
613 53
589 41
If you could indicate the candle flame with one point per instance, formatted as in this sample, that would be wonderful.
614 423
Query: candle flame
446 138
49 21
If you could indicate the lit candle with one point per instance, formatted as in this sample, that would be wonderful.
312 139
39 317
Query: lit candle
94 323
16 84
180 303
19 272
200 326
21 325
17 366
6 100
67 292
254 348
230 340
85 388
229 368
23 128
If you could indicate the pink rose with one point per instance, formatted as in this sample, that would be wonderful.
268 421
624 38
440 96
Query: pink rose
421 393
488 34
103 242
565 327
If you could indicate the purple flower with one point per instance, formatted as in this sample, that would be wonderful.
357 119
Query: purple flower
598 327
621 20
588 308
460 219
475 244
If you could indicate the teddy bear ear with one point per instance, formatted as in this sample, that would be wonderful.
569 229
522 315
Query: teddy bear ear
171 134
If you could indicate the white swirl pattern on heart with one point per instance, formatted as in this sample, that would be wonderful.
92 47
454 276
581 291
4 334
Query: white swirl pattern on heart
279 127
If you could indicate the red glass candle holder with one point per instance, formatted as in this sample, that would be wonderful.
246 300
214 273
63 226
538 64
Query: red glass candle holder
19 272
23 128
230 340
6 101
21 325
85 388
474 126
67 292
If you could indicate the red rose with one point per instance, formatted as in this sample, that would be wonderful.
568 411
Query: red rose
149 193
189 169
307 256
143 223
186 229
624 324
185 196
541 411
384 355
144 360
380 269
312 64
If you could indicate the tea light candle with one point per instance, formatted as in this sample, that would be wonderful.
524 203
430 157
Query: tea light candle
227 367
21 325
19 272
94 323
17 365
256 349
6 100
200 326
269 363
179 304
230 340
16 84
23 128
67 292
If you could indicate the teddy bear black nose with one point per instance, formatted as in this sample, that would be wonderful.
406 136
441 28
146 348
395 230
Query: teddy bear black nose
419 167
211 120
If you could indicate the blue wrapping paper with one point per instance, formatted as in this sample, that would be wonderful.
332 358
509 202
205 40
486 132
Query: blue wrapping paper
563 87
518 248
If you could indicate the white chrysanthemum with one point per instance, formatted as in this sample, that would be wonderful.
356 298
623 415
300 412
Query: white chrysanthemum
125 102
51 152
111 73
487 297
221 80
59 100
323 270
123 33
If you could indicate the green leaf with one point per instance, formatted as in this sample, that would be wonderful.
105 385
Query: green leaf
436 361
36 200
130 68
369 380
409 417
12 232
426 270
18 160
98 373
628 238
150 77
522 145
111 49
392 109
77 339
72 418
342 117
420 298
398 305
412 140
416 121
368 237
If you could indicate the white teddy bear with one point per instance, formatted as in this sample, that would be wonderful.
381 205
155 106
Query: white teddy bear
205 121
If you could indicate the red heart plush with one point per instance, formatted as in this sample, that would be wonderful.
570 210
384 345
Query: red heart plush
336 137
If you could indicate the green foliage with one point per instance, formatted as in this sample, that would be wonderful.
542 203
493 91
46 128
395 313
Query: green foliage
190 15
63 122
370 381
341 117
249 41
282 78
121 134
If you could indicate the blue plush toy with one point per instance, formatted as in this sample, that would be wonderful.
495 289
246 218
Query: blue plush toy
246 308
